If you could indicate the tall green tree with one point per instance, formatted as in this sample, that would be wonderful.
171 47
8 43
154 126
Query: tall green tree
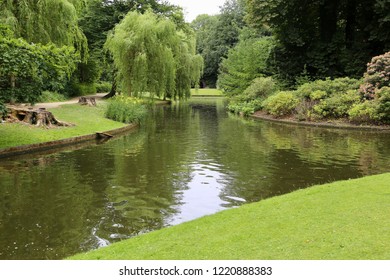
100 18
245 62
216 35
330 37
46 21
152 55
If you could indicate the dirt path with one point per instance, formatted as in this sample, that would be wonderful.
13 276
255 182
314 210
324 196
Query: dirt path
50 105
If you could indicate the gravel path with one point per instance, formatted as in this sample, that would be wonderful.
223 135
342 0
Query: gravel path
75 100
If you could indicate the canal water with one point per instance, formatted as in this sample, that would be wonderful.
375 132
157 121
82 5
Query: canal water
185 161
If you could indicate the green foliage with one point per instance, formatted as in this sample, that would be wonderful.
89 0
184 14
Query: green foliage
384 104
126 109
366 112
377 75
51 96
96 22
215 35
251 99
282 103
3 110
103 87
28 69
244 63
329 86
153 56
331 38
245 108
331 99
260 88
46 21
337 106
80 89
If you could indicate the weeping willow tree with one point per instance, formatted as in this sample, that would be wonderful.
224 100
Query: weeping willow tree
152 55
46 21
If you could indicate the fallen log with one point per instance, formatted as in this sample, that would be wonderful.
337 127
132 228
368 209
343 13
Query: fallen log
37 117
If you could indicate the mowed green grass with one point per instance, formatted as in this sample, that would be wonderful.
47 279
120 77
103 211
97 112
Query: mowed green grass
206 92
343 220
88 120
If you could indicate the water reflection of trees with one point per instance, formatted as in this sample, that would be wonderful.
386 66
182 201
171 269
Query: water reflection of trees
289 157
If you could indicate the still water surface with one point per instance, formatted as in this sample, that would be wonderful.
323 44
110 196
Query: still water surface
186 161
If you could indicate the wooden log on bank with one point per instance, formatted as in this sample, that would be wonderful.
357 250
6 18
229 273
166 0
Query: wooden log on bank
90 101
37 117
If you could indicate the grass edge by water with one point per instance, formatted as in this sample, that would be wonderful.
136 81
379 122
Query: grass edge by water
340 220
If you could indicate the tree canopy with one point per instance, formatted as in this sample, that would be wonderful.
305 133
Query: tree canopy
217 34
152 55
46 21
332 38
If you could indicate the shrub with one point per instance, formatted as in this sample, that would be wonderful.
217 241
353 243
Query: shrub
80 89
384 104
245 108
330 87
51 96
317 95
245 61
28 69
126 109
260 88
103 87
366 112
336 106
377 75
282 103
3 110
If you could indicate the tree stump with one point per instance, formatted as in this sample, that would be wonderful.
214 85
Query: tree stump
90 101
37 117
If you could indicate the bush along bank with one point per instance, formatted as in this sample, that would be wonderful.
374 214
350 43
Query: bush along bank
365 101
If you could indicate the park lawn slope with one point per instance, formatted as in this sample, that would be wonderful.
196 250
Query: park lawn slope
206 92
88 120
342 220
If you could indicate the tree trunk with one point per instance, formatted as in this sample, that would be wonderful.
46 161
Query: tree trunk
113 88
37 117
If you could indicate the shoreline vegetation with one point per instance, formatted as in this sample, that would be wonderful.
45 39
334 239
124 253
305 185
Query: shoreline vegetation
20 138
337 221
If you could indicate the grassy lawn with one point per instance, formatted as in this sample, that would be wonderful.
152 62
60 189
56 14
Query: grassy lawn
206 92
342 220
87 119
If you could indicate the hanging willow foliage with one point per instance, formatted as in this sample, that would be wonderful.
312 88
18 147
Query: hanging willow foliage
46 21
153 56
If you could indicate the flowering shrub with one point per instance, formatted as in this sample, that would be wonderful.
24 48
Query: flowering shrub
377 76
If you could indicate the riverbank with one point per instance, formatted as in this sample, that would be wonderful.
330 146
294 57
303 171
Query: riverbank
87 120
328 124
19 138
337 221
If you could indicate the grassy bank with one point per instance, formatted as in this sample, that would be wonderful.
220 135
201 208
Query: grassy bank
87 120
342 220
206 92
